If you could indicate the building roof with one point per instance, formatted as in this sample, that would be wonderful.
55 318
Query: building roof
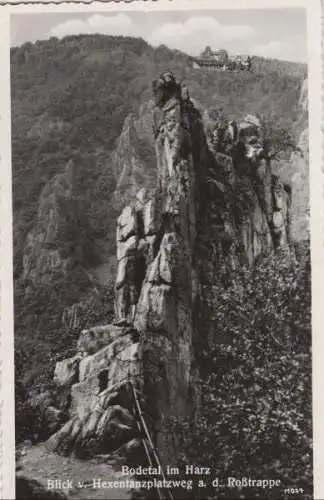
205 61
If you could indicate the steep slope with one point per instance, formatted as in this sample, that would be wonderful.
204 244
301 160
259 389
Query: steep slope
87 99
78 92
134 156
299 172
91 84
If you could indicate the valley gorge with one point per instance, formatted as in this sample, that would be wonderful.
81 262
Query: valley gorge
162 268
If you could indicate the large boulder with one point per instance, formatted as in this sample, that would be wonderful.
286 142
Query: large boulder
100 410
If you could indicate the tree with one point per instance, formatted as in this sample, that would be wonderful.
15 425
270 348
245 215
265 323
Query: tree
278 141
255 418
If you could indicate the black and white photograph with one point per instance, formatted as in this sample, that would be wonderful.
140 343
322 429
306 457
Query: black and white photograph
162 252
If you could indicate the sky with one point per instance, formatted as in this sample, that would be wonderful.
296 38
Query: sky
275 33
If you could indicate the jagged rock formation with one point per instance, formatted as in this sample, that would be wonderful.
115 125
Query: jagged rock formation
43 254
300 174
100 407
295 171
133 160
209 210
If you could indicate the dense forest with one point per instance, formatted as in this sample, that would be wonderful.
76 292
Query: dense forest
70 102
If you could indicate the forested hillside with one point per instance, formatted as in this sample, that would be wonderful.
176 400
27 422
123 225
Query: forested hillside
72 136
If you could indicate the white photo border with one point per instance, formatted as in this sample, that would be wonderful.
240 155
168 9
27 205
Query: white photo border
315 28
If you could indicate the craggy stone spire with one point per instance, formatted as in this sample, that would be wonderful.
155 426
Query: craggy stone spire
209 209
157 282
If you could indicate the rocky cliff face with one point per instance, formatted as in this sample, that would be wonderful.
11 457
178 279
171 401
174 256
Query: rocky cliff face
208 211
300 173
134 160
295 170
43 250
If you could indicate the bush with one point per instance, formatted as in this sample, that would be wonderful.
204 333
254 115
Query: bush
256 416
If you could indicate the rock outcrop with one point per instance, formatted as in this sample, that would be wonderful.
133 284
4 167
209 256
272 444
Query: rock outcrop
295 171
43 255
208 210
300 174
101 415
134 163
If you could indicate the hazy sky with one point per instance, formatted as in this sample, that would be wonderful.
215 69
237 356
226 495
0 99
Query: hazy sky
278 33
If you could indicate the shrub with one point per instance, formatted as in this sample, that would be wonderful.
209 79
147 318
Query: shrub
255 420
